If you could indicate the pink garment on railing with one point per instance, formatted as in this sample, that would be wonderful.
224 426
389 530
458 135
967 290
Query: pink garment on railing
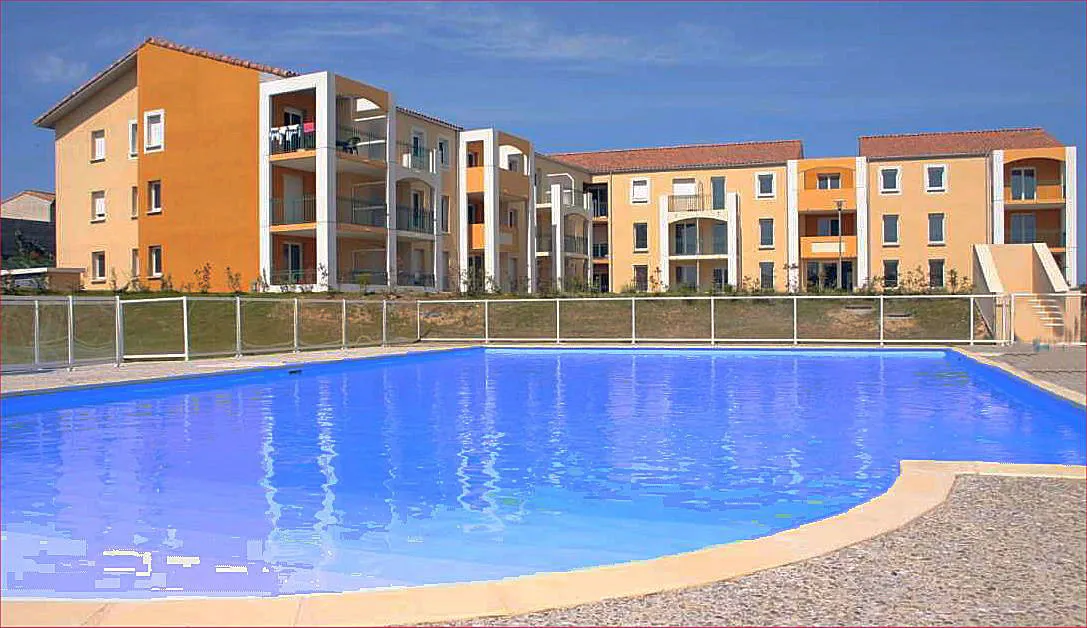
307 127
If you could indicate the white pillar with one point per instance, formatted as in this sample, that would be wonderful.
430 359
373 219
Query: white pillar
998 197
585 204
861 182
1071 236
264 177
558 221
792 227
732 201
326 180
391 177
436 209
662 241
491 213
462 211
530 223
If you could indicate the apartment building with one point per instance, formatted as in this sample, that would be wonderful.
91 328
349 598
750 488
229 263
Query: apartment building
176 164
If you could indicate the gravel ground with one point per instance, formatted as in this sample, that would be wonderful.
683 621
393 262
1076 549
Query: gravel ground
1000 551
1064 366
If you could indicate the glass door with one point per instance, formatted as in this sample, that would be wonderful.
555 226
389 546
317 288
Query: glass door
1023 229
1024 184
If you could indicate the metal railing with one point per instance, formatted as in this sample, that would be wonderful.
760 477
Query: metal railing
1054 238
412 279
361 211
600 250
55 331
291 138
578 245
303 276
364 277
415 219
356 139
600 208
294 211
685 202
416 157
544 241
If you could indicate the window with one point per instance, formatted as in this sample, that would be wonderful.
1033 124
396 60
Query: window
639 190
935 228
1024 184
1023 228
888 180
720 238
641 236
98 266
686 239
98 206
829 181
444 217
511 217
641 278
936 178
936 273
890 273
890 230
135 263
765 185
133 138
513 163
473 160
135 201
154 130
687 276
98 145
154 197
766 275
829 227
718 186
154 261
292 116
443 152
766 232
475 216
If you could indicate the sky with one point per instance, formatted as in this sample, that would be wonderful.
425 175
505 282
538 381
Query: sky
584 76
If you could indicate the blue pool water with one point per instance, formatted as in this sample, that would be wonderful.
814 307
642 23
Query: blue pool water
478 464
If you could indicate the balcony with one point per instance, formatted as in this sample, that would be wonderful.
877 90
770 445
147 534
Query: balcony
544 241
600 250
817 200
367 142
414 219
364 277
415 279
294 211
575 245
301 276
292 138
1045 192
827 247
414 156
1053 238
693 247
599 208
360 211
685 203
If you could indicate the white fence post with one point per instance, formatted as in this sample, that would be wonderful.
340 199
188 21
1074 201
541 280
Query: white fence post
558 324
37 333
418 320
343 325
971 319
486 321
796 338
1011 320
237 327
633 323
384 322
713 322
185 323
71 332
296 324
881 320
119 331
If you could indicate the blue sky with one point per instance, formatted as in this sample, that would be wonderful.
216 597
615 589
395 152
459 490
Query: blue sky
580 76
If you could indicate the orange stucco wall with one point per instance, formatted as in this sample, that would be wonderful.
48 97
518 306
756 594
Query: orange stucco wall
208 168
810 197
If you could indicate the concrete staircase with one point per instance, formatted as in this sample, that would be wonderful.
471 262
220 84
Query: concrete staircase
1049 312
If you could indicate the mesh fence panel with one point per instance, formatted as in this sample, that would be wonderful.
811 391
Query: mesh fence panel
401 322
212 326
363 323
95 331
522 320
837 319
53 332
16 334
753 319
937 318
320 323
451 320
602 319
267 325
674 318
153 328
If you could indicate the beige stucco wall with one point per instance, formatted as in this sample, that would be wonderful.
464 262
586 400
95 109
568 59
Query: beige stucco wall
77 237
27 207
965 205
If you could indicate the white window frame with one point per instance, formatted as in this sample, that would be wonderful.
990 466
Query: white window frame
135 201
943 228
648 191
133 138
898 180
135 263
634 276
773 184
444 158
773 278
773 235
819 177
151 209
898 268
94 207
95 134
932 190
443 209
152 271
95 256
1023 170
634 234
147 146
898 230
943 272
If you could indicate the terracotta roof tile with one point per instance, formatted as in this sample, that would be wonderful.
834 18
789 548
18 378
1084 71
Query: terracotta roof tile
429 118
684 157
953 143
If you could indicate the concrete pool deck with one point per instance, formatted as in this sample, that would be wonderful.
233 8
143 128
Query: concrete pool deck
921 487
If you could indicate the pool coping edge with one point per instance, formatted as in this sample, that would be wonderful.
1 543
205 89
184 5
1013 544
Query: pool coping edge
1055 389
921 486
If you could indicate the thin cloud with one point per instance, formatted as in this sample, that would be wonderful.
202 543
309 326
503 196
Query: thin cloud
52 68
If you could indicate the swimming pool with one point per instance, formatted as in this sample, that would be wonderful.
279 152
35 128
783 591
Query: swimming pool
478 464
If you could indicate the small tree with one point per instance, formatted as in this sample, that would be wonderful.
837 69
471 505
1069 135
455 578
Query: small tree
202 278
233 281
